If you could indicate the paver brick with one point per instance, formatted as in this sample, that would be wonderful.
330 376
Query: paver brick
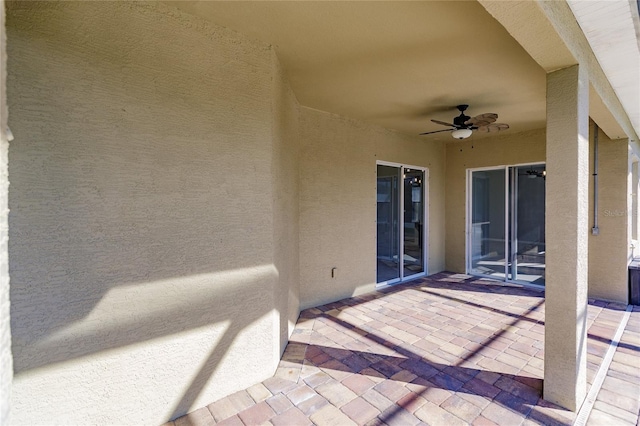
336 369
461 408
411 402
360 411
278 384
241 400
622 387
356 363
436 395
358 383
259 392
336 393
445 381
403 376
547 413
200 417
257 414
222 409
313 404
391 390
372 374
626 403
600 418
396 415
501 415
434 415
376 399
514 403
293 416
231 421
330 416
477 400
483 421
300 393
615 411
511 360
463 374
279 403
316 379
528 394
386 368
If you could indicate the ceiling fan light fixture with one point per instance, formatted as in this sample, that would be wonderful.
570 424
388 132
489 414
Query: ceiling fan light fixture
461 133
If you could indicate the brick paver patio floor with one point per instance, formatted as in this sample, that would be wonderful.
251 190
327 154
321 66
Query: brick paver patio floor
444 350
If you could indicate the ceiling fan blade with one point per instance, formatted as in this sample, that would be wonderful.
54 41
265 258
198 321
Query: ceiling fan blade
436 131
488 118
444 123
492 128
477 123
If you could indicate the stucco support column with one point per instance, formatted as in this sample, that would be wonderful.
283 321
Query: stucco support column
6 366
567 227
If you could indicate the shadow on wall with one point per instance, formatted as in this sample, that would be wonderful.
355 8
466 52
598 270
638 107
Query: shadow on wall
218 306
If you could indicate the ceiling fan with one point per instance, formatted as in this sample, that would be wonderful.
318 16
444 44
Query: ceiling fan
532 174
463 125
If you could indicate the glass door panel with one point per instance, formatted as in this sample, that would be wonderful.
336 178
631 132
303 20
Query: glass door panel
413 259
388 224
529 223
487 230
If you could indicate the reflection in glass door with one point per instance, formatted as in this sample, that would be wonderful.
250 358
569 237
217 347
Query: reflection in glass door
400 223
506 230
487 231
528 226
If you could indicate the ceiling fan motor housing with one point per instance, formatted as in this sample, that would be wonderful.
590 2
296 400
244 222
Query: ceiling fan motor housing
460 120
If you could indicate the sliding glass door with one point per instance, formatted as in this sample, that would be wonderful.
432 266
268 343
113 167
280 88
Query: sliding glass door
400 223
506 223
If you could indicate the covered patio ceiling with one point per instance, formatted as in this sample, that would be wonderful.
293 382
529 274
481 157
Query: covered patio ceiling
394 64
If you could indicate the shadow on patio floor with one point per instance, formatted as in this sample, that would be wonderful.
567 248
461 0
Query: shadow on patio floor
447 349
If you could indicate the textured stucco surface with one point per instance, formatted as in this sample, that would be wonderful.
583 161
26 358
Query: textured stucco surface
148 241
338 202
6 364
285 204
567 242
507 149
608 260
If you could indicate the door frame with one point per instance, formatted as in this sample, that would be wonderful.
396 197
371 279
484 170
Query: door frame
425 221
507 222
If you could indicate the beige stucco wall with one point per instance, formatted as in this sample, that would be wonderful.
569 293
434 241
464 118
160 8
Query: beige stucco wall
6 363
338 202
609 251
507 149
152 221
